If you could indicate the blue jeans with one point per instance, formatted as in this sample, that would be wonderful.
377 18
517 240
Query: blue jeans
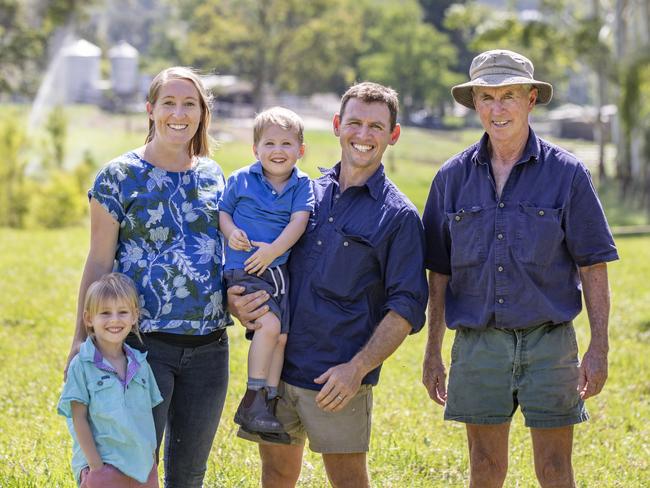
193 384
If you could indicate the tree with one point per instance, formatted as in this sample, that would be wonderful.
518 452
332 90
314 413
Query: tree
435 12
24 32
541 39
57 129
563 36
409 55
275 43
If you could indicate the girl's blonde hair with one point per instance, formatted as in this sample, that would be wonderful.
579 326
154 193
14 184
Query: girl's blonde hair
112 287
200 144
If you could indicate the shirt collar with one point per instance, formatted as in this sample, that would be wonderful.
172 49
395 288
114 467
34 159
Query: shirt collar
531 150
88 352
374 184
257 169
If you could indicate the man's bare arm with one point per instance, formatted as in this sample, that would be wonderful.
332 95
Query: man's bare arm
434 375
593 367
342 382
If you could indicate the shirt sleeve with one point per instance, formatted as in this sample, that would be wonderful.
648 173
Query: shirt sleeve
228 199
405 280
154 391
587 234
108 192
74 389
436 229
303 197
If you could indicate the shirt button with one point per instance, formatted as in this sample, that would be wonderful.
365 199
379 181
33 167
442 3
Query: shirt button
274 192
541 213
331 219
320 243
499 236
500 268
501 204
346 244
100 383
457 218
501 300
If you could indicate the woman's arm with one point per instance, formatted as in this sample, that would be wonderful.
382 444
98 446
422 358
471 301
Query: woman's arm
104 231
85 435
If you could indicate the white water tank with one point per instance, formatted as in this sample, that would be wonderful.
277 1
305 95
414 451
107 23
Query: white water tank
124 68
81 71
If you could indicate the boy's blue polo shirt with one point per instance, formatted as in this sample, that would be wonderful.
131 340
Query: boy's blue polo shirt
119 415
260 211
513 260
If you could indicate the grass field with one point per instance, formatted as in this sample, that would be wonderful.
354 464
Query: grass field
411 445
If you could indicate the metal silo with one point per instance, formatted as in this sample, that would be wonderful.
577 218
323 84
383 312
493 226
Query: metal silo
124 69
81 72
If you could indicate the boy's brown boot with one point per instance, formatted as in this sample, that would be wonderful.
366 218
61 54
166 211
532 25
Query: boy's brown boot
277 438
254 416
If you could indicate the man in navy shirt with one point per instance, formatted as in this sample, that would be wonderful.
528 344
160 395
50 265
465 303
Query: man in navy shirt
358 288
514 232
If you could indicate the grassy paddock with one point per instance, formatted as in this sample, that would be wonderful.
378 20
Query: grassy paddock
411 446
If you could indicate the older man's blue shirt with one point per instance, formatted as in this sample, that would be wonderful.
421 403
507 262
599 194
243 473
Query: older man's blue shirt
361 257
513 261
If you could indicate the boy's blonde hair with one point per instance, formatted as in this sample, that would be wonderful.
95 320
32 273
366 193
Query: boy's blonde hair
112 286
283 117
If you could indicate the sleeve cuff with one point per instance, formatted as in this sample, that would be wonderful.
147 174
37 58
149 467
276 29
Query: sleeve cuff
411 312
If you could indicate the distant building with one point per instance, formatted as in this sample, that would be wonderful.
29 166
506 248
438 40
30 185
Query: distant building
125 79
81 72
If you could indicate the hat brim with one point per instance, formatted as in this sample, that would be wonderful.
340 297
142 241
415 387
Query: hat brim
463 93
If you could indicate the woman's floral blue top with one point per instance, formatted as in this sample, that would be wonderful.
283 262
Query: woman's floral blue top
169 241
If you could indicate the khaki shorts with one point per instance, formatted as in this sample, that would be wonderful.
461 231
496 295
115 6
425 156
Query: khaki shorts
347 431
494 371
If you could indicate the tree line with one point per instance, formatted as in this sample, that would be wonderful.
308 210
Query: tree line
420 48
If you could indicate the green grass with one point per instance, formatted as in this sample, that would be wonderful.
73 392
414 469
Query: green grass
411 445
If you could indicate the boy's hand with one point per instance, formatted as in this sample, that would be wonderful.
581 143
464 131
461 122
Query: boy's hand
239 241
260 259
95 467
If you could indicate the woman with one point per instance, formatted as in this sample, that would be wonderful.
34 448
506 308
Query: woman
154 218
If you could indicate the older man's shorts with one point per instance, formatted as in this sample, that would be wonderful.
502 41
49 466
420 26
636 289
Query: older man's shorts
274 281
493 371
347 431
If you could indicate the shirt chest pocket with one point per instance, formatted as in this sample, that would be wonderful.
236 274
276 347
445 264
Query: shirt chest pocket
348 266
539 234
105 396
137 392
467 231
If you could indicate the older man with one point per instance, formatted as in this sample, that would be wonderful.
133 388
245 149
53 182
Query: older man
514 232
358 288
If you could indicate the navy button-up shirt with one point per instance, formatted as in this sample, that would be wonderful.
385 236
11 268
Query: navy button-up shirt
513 261
361 256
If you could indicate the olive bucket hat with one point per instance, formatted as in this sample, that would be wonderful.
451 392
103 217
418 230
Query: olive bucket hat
499 68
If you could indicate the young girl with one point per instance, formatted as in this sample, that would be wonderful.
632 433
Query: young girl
109 393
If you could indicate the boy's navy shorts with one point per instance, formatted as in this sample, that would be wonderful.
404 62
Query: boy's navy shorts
275 281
